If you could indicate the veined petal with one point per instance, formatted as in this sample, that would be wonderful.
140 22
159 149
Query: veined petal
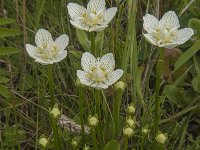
62 41
75 11
97 28
99 85
82 75
150 23
31 50
114 76
151 39
96 5
88 62
43 38
77 24
61 56
109 14
170 46
170 21
107 63
184 35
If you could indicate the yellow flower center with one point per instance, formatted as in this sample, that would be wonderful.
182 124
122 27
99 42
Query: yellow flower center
92 18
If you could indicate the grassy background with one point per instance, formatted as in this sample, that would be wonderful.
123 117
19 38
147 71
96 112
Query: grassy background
25 101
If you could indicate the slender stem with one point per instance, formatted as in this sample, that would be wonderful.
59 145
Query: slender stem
157 98
53 121
142 142
50 76
116 109
98 103
92 36
81 97
126 143
94 139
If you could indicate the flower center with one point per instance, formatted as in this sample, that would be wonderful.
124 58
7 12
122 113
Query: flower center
49 52
92 18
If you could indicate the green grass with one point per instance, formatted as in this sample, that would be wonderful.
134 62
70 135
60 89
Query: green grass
25 98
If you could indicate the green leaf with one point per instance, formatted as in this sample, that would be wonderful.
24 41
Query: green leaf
194 23
196 84
187 55
4 21
8 32
112 145
4 80
174 94
99 41
8 50
83 39
4 91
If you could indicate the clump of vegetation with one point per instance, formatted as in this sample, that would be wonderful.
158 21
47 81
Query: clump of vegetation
99 74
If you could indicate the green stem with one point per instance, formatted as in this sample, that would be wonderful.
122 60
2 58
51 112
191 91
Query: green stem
81 97
92 36
50 76
98 103
126 143
157 98
53 121
94 139
116 109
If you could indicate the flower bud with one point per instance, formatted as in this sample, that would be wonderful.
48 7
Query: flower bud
130 122
55 112
93 120
74 143
43 141
131 109
128 131
86 147
120 86
145 131
161 138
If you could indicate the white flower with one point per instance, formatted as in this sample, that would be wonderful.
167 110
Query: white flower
48 51
165 33
94 18
98 73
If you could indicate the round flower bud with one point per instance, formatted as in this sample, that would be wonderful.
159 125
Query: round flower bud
145 131
74 143
120 86
55 113
86 147
131 109
128 131
93 121
130 122
43 142
161 138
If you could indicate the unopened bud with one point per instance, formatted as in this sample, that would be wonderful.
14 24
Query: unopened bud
43 141
161 138
130 122
145 131
128 131
120 86
93 120
131 109
86 147
55 112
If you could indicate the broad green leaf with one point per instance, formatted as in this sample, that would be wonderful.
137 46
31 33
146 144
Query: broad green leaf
138 81
4 91
174 94
8 50
194 23
112 145
4 32
187 55
83 39
196 84
4 21
99 42
4 80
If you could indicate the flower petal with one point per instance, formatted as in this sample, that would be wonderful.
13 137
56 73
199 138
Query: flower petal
114 76
43 38
150 23
170 21
184 35
99 85
79 25
88 62
151 39
31 50
62 41
107 63
96 5
61 56
75 11
82 75
97 28
109 14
